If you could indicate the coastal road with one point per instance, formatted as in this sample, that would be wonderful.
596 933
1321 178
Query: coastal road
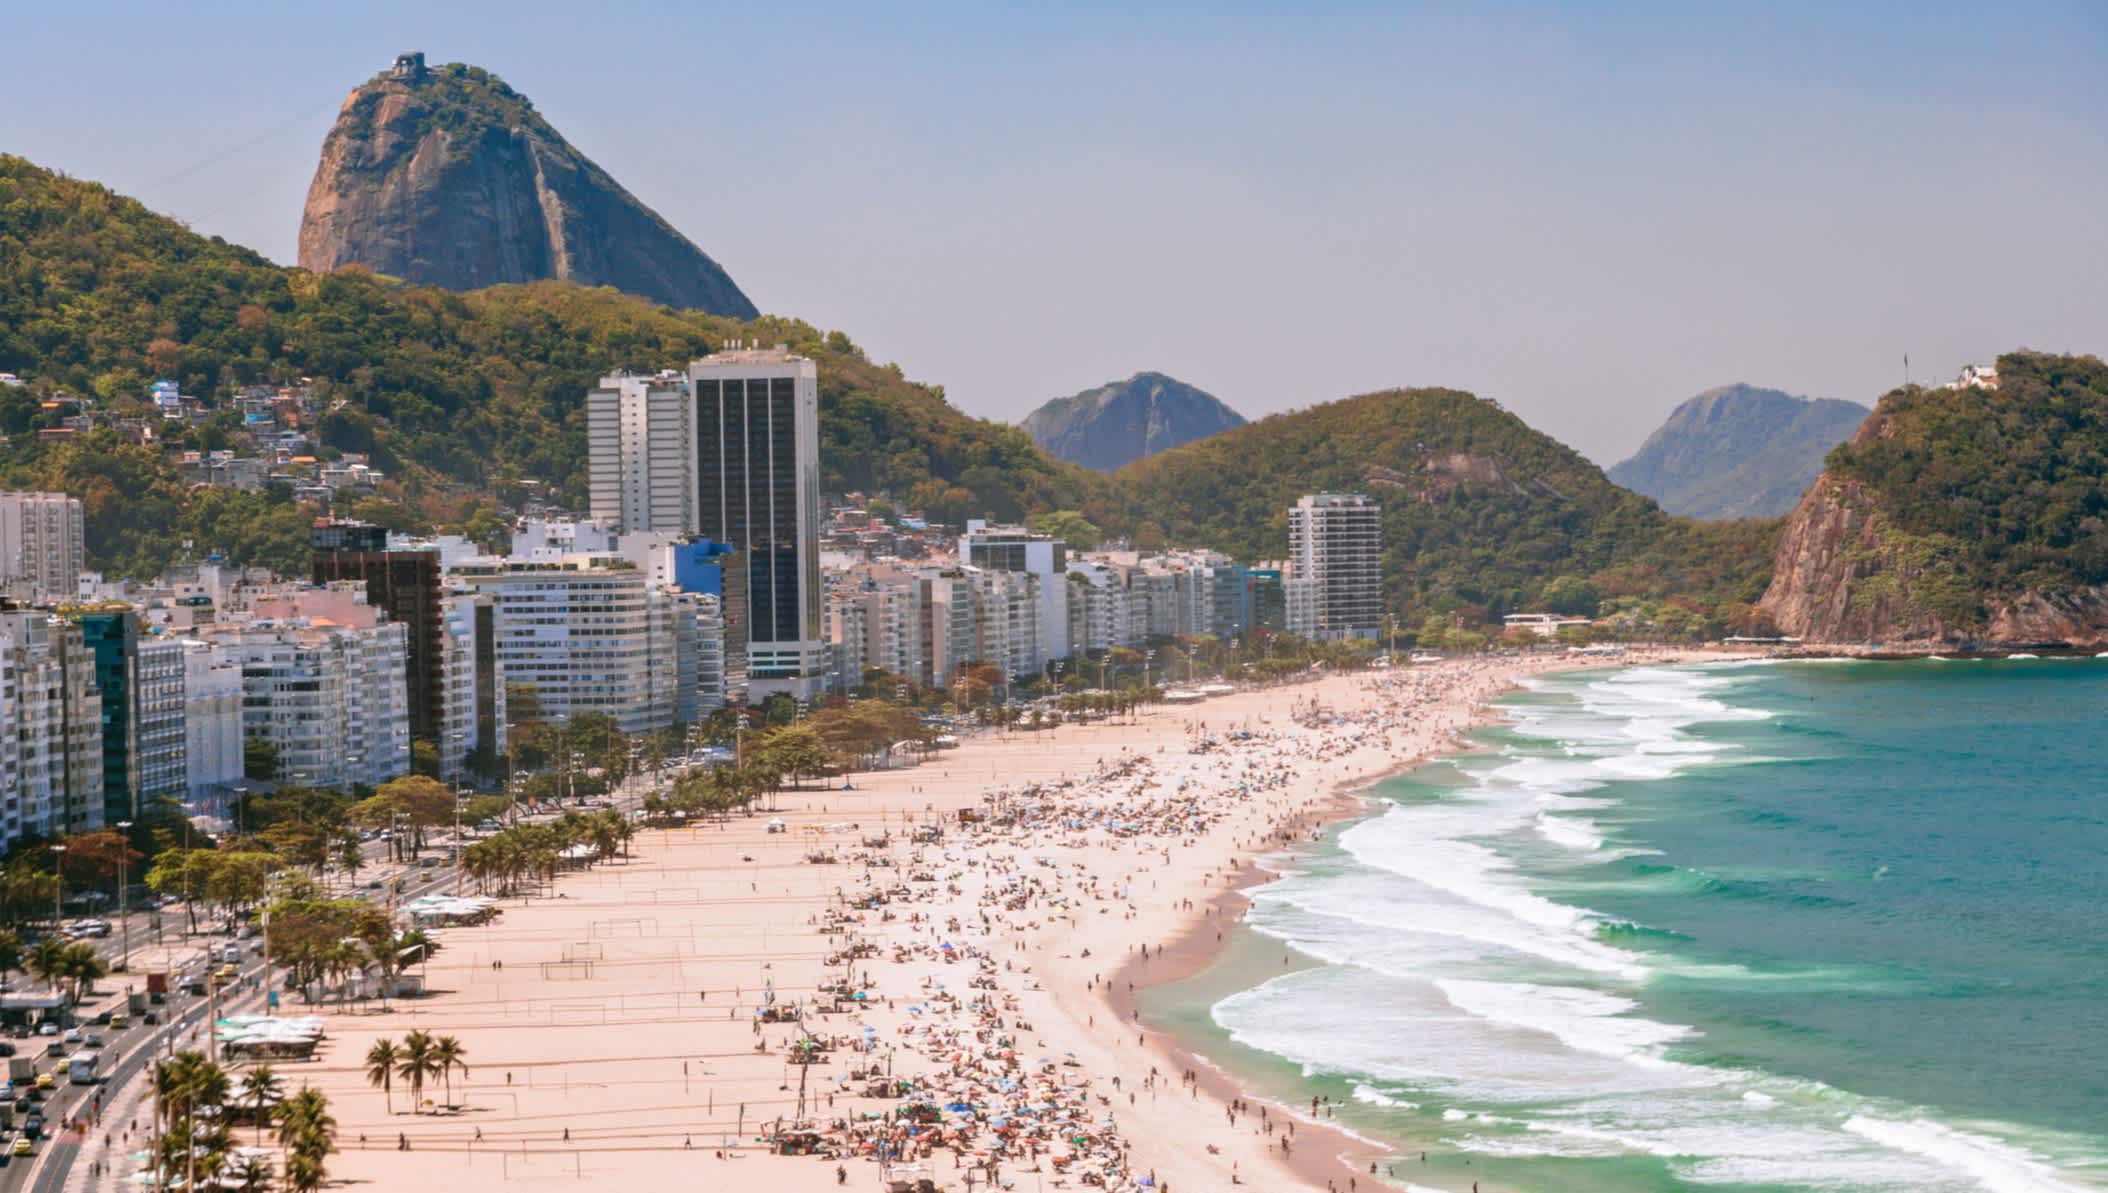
49 1169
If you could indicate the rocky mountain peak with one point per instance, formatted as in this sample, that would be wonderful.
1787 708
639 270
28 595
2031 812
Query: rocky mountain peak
448 177
1124 421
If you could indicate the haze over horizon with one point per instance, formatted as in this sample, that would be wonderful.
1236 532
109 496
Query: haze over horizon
1588 215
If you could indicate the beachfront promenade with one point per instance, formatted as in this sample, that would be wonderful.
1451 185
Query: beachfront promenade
957 989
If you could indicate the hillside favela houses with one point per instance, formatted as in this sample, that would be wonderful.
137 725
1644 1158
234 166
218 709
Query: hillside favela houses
708 571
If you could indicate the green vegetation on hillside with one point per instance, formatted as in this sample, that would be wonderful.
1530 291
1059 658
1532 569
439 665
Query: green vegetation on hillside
456 395
468 399
1481 513
2004 487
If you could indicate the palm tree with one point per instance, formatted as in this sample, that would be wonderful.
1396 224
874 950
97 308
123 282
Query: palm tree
448 1055
10 955
47 960
254 1174
306 1117
303 1173
262 1089
308 1132
183 1086
83 966
415 1064
381 1060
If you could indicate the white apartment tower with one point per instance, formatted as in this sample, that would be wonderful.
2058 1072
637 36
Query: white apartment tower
1014 549
50 728
330 698
642 456
41 543
586 637
1335 540
212 725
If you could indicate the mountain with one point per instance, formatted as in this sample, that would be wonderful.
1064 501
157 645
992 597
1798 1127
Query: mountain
1971 515
448 177
456 396
1738 452
1482 514
1123 421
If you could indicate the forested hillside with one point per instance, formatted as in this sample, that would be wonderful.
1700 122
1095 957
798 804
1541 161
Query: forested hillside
1482 514
458 396
1971 514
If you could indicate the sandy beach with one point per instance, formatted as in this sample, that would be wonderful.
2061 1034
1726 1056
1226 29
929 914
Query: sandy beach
614 1021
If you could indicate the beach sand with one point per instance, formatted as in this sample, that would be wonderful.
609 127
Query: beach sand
610 1021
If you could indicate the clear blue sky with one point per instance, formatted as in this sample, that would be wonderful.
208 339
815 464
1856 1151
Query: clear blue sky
1588 212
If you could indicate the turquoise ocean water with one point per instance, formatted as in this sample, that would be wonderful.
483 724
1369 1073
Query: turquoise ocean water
1836 926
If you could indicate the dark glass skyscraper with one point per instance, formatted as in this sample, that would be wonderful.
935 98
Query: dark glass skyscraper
757 438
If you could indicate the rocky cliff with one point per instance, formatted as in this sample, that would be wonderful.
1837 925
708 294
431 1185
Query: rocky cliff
1125 421
1738 451
1959 517
448 177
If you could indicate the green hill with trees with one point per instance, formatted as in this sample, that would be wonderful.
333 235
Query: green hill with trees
1483 516
460 398
1974 514
472 402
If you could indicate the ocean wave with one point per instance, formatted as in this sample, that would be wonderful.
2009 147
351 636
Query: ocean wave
1998 1167
1461 970
1573 832
1584 1020
1371 1096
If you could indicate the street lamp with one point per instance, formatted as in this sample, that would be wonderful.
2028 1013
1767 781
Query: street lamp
124 899
58 891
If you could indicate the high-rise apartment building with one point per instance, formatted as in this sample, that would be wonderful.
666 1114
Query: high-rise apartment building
731 451
642 457
322 682
1015 549
587 637
51 759
41 544
408 586
758 437
1335 540
472 731
699 656
212 726
139 681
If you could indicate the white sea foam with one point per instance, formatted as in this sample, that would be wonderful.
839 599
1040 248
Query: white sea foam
1584 1020
1429 924
1996 1166
1371 1096
1571 831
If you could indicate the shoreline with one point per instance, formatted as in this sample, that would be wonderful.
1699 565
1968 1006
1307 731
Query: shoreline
1340 1162
614 1019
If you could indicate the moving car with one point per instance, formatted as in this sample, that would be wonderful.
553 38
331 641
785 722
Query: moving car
22 1146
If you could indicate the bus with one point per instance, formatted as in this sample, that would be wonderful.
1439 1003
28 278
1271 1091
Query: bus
81 1066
